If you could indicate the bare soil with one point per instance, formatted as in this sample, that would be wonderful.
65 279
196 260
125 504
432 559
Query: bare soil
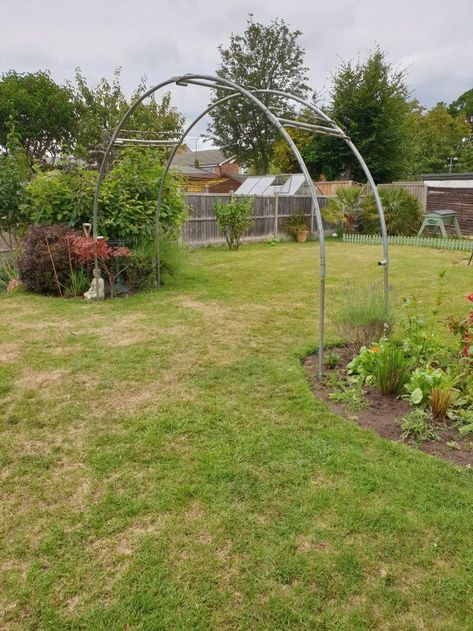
384 414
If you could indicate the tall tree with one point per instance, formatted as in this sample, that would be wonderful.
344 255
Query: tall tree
262 57
437 139
43 113
102 107
370 101
463 106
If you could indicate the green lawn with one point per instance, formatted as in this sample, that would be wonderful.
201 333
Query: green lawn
164 464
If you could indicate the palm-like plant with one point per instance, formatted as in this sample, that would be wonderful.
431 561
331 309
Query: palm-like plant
402 211
346 208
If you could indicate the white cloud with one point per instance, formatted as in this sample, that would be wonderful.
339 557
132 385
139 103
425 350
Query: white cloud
164 38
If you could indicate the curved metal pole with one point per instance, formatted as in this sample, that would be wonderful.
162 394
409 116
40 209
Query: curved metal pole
103 166
379 207
313 194
384 235
166 171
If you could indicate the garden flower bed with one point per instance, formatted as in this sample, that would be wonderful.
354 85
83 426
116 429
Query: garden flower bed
408 387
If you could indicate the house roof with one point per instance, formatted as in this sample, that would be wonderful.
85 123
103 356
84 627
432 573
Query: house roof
204 158
190 171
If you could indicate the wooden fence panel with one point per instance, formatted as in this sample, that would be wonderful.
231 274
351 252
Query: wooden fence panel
201 226
418 189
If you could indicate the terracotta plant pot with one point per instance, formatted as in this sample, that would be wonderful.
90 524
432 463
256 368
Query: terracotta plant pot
301 236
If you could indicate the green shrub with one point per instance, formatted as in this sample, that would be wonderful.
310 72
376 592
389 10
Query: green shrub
416 425
14 173
402 213
234 218
128 197
362 317
347 208
140 272
61 196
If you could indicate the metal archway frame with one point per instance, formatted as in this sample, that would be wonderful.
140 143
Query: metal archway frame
236 90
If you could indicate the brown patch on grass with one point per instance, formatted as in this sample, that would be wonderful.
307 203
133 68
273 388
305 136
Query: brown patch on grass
211 309
306 543
32 379
9 351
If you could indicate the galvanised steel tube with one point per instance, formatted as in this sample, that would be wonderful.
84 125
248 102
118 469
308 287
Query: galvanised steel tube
369 177
313 194
166 171
103 166
384 235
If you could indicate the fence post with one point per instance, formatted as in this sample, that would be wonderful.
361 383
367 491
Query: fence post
276 214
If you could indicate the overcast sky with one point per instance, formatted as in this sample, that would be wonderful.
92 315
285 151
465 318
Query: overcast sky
432 39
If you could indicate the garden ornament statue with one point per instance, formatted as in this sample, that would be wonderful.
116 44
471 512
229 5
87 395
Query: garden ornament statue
233 90
97 282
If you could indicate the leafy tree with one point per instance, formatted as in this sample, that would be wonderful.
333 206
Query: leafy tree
465 156
370 101
284 160
437 138
463 106
234 219
263 57
43 112
14 172
102 107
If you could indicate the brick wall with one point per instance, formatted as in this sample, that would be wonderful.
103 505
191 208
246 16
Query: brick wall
458 199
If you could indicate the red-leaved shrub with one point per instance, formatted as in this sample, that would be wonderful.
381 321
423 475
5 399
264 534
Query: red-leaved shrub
46 258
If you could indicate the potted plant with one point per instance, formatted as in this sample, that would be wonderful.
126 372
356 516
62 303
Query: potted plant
297 226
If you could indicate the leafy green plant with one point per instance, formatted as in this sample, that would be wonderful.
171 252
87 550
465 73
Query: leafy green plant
346 208
234 219
423 380
362 366
362 317
140 273
350 395
8 271
402 212
332 360
77 283
294 224
391 369
416 426
127 204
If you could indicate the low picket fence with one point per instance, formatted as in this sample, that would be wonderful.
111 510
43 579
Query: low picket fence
462 245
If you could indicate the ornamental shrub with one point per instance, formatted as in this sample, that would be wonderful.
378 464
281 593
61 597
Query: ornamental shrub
61 196
47 259
128 197
234 219
402 213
